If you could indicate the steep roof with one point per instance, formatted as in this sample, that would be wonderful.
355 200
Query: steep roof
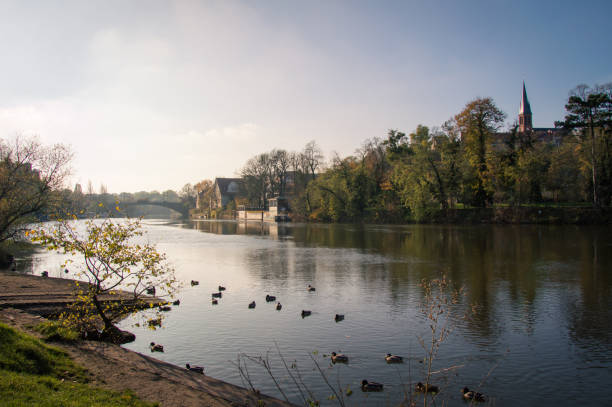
224 183
525 107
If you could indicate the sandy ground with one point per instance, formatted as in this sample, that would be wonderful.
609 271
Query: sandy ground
113 367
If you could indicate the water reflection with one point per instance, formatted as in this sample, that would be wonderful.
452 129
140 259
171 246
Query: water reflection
504 268
542 293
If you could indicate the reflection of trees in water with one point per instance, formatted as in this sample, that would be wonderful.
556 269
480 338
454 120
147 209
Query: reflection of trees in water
589 306
269 264
500 266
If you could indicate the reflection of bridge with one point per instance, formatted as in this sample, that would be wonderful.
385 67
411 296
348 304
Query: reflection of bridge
175 206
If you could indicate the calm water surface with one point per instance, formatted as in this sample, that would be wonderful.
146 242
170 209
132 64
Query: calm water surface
542 335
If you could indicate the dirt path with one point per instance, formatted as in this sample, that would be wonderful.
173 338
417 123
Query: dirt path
116 368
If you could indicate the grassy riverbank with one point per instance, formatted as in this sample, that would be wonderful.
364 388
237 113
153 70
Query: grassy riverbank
36 374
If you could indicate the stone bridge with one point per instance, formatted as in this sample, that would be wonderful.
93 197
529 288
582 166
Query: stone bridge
175 206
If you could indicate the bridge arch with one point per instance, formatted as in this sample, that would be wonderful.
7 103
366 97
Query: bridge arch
175 206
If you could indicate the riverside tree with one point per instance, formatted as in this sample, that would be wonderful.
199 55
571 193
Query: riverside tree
589 112
114 257
477 122
30 176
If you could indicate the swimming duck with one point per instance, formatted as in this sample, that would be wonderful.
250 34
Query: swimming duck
472 395
155 322
221 288
393 358
151 290
306 313
371 386
197 369
165 308
194 282
217 295
339 358
176 302
252 305
311 288
278 306
45 274
214 301
339 317
156 347
421 388
270 298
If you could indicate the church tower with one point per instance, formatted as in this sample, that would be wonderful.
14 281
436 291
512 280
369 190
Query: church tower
525 123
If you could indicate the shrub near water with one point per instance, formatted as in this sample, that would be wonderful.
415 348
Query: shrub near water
35 374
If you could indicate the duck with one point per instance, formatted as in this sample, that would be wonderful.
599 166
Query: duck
176 302
306 313
421 388
165 308
155 322
371 386
278 306
472 395
339 358
45 273
393 358
156 347
217 295
252 304
221 288
214 301
339 317
197 369
270 298
151 290
194 282
311 288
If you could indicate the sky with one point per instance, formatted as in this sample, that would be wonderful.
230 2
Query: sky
151 95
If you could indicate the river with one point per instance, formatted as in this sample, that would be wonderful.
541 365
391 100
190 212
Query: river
538 300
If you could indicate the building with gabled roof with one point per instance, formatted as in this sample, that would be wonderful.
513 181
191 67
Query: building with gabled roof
226 190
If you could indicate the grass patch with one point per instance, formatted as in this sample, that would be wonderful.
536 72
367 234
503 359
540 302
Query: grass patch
36 374
25 390
23 353
54 331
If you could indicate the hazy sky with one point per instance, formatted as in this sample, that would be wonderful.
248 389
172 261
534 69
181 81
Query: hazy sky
155 94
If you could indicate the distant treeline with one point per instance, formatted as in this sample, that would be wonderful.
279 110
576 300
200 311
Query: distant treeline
465 163
90 203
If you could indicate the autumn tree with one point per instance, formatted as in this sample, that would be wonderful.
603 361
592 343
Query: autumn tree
478 122
30 174
109 256
419 177
205 191
589 113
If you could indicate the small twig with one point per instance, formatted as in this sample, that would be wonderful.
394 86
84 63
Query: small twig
341 401
290 374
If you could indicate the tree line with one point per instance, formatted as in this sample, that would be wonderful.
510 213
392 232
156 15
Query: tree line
467 162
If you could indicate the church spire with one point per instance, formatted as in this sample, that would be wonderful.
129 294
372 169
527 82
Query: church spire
525 123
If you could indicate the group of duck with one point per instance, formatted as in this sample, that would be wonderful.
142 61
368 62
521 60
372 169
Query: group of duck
270 298
368 386
422 388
